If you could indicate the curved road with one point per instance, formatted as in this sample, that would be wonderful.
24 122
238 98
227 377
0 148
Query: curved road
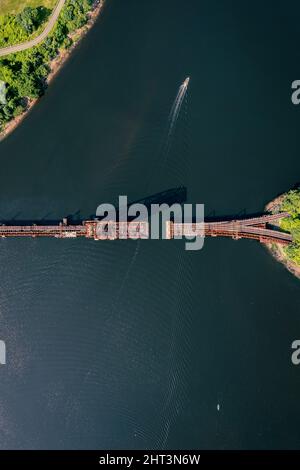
34 42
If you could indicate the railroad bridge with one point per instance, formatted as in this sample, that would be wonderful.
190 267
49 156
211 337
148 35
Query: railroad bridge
258 228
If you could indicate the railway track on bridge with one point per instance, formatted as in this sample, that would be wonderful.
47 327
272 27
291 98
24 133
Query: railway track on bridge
257 228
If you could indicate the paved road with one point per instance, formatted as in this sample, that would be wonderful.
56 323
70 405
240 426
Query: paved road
34 42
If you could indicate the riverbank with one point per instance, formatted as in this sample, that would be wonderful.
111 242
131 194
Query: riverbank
277 251
55 66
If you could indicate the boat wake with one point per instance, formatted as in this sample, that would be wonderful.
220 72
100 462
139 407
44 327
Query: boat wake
173 116
177 105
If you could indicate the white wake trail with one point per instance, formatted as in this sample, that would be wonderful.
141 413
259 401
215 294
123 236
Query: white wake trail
174 114
178 103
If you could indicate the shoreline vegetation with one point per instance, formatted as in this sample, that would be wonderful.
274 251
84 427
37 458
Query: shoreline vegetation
42 63
288 256
12 7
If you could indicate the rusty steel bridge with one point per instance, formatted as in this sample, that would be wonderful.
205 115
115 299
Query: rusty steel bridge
258 228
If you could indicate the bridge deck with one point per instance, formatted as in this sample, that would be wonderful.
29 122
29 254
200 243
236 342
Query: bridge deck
253 228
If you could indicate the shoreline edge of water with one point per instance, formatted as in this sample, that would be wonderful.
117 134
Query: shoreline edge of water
277 251
56 65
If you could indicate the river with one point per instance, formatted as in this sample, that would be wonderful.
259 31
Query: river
143 344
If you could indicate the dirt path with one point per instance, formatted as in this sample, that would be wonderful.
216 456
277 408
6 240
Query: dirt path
34 42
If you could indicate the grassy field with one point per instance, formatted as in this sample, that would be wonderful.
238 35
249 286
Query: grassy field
14 6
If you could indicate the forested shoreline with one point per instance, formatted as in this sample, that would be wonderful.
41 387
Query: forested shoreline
25 73
291 203
288 255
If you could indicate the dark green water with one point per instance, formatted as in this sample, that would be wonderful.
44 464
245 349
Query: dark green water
126 345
